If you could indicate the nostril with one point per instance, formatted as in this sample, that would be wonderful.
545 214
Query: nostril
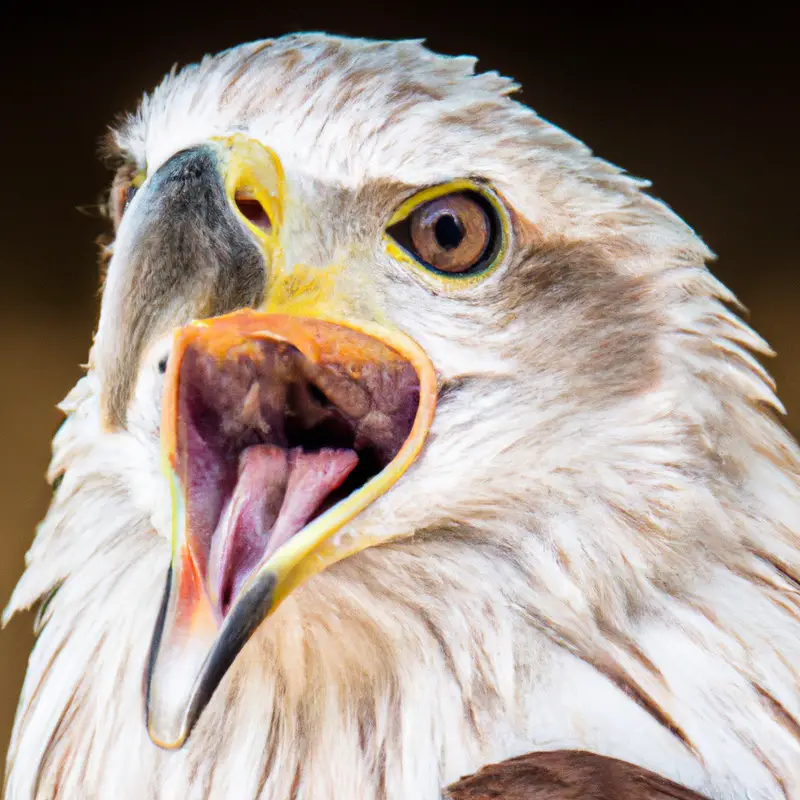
253 212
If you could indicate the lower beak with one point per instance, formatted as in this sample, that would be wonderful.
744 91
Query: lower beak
276 431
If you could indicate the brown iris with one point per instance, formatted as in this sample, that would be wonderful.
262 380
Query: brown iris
454 234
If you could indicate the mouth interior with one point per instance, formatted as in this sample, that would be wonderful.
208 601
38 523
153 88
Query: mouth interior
268 440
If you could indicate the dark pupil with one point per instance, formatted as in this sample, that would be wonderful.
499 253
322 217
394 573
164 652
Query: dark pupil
449 232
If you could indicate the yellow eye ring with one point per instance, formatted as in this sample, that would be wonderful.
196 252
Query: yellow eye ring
454 234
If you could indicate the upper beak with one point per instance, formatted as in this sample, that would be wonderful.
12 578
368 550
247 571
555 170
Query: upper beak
276 431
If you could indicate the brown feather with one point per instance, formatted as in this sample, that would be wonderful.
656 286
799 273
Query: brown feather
566 775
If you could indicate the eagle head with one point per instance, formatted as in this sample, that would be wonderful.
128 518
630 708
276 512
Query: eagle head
399 398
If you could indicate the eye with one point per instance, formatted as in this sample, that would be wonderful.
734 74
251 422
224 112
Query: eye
456 234
125 195
126 184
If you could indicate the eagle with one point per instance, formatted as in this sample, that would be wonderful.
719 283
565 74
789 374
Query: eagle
418 455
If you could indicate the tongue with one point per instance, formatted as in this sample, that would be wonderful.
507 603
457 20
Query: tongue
277 492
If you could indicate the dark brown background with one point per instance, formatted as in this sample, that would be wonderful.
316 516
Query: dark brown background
708 112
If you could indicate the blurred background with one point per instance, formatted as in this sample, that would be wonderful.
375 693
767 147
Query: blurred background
708 113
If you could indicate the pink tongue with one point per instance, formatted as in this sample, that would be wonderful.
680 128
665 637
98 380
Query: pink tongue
276 494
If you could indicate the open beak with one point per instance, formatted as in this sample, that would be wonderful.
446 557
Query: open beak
276 431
